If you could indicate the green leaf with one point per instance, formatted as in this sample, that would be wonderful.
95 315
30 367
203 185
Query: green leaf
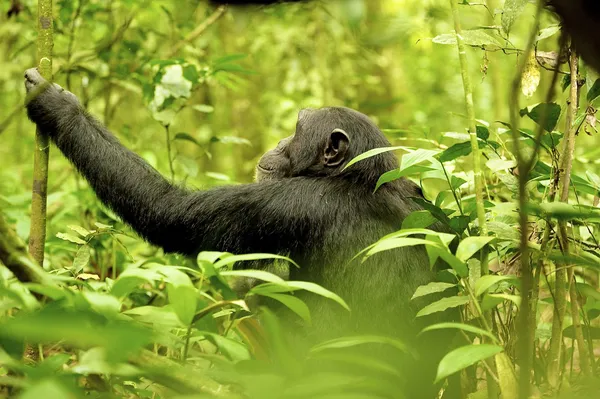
372 153
393 243
204 108
510 13
483 132
82 258
80 230
293 303
418 219
132 278
455 151
415 157
227 259
443 304
460 326
473 37
463 357
187 137
547 32
70 238
348 342
102 303
431 288
317 289
257 274
485 282
550 112
183 299
594 91
470 245
399 173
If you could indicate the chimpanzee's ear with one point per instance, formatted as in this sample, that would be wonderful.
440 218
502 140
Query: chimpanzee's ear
336 148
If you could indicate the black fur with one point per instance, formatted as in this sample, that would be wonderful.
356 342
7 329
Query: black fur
318 215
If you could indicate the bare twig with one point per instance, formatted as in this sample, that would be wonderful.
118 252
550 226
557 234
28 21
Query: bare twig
193 35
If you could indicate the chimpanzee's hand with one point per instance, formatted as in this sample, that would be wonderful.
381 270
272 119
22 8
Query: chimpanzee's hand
48 104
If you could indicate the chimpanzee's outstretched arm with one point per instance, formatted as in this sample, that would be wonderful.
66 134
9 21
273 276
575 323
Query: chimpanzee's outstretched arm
245 218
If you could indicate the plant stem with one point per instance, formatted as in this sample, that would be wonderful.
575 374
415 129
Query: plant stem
567 273
524 344
464 67
169 155
37 232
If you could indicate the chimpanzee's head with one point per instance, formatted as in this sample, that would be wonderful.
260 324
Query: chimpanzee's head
325 141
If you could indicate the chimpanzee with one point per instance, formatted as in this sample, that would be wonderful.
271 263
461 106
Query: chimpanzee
305 205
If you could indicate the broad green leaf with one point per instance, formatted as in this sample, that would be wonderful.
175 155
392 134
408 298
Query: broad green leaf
456 264
227 260
418 219
372 153
506 376
393 243
513 298
594 92
82 258
443 304
183 299
77 329
80 230
460 326
470 245
234 350
455 151
463 357
431 288
485 282
102 303
563 211
547 32
293 303
348 342
132 278
588 291
545 114
510 13
500 164
70 238
48 388
483 132
211 256
415 157
399 173
186 137
317 289
163 316
257 274
473 37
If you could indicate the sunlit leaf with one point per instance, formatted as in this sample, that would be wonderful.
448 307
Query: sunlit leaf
443 304
70 238
431 288
485 282
460 326
293 303
227 260
257 274
470 245
372 153
510 13
464 357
